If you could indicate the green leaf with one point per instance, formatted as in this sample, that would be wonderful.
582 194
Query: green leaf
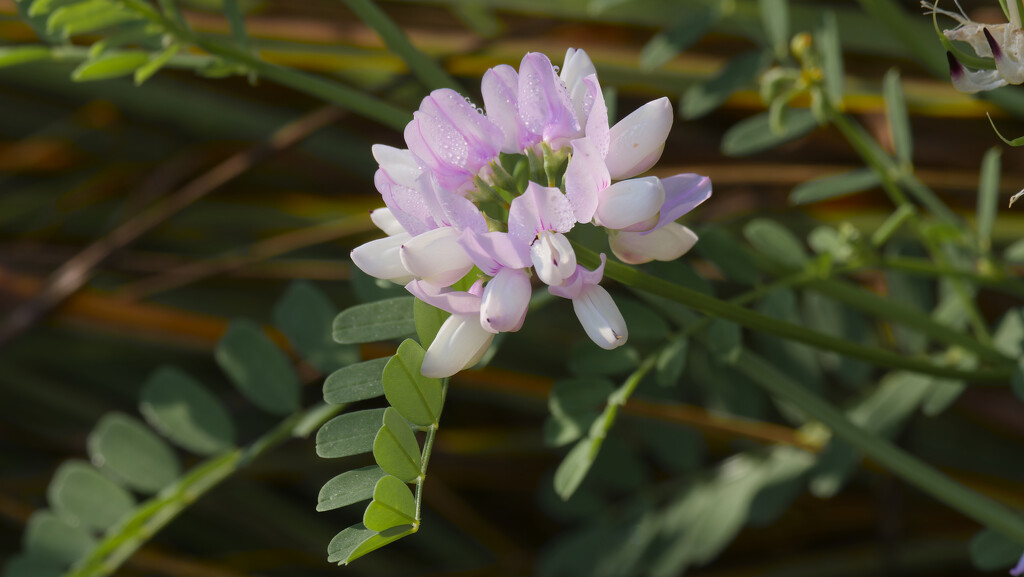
395 448
703 97
891 224
754 134
428 321
356 382
304 314
14 55
186 412
672 361
50 537
33 565
667 44
132 453
991 551
899 119
155 63
775 19
724 341
111 65
376 321
144 33
776 242
357 540
723 250
81 492
834 186
1009 335
1014 253
831 52
86 17
988 197
349 487
416 397
588 359
574 467
44 7
393 505
349 434
259 369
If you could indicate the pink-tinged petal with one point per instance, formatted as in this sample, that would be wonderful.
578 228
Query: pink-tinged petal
597 120
399 164
553 259
577 66
493 251
573 287
636 142
539 208
505 301
448 208
500 89
683 193
386 221
436 257
407 205
666 243
630 204
600 317
460 343
452 138
544 105
1019 569
381 259
585 176
446 299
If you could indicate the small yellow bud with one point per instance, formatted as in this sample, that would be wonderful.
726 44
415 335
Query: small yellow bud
800 44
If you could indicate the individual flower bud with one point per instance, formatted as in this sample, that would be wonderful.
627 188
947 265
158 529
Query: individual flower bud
669 242
500 89
386 221
553 257
600 318
631 204
505 300
436 257
460 343
452 138
381 258
636 142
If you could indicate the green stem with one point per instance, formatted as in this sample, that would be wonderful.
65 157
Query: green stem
922 267
899 462
122 541
428 447
759 322
425 68
341 95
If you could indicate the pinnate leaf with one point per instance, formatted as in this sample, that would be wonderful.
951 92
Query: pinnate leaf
357 540
133 453
259 369
186 412
395 448
416 397
349 487
81 492
393 505
356 382
376 321
349 434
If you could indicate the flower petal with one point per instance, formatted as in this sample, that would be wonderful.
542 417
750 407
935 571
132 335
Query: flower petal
500 89
585 176
436 256
505 301
492 251
460 343
636 141
577 66
446 299
683 193
381 259
600 317
553 258
544 105
386 221
630 204
539 208
666 243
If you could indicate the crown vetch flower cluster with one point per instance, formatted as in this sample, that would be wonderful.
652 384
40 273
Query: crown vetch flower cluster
1004 43
499 191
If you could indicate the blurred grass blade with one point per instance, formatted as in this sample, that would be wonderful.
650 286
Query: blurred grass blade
754 134
428 71
988 198
14 55
831 52
155 63
775 19
703 97
669 43
899 119
834 186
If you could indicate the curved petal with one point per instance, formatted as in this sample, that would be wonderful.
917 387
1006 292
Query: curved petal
380 258
492 251
505 301
636 142
585 177
544 105
553 258
597 120
500 89
683 193
460 343
436 257
577 66
600 318
386 221
666 243
630 204
446 299
573 287
539 208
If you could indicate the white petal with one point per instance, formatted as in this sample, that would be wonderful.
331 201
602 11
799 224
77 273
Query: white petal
386 221
459 344
629 203
505 300
436 256
399 164
575 68
600 317
636 141
381 258
553 258
667 243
